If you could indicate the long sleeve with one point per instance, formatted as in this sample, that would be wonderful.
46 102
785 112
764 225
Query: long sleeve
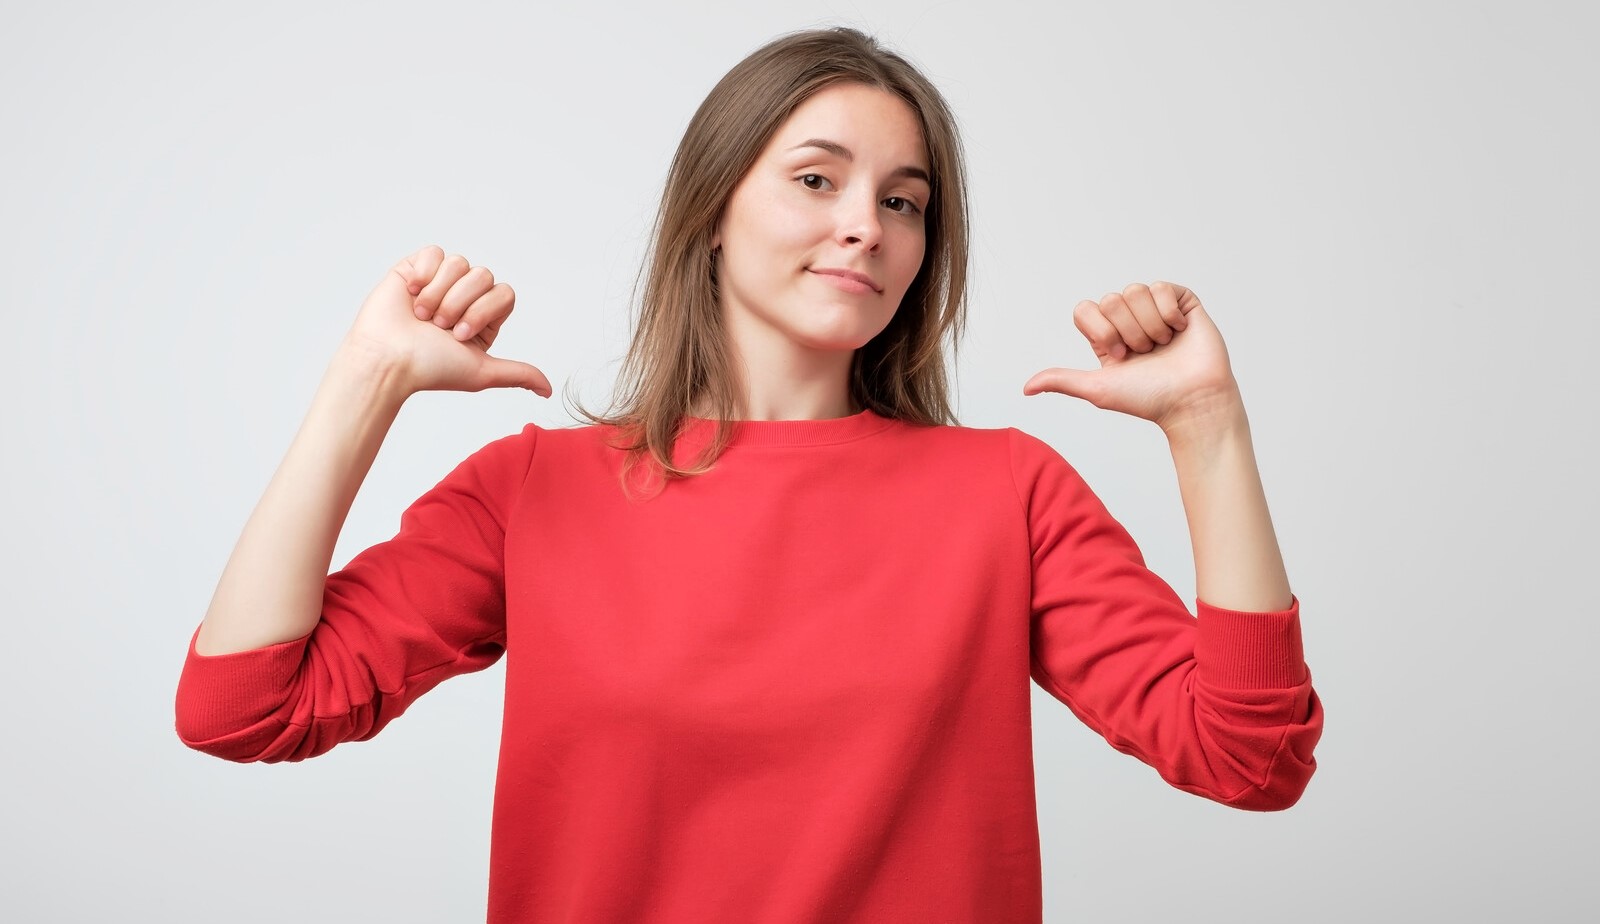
401 617
1220 705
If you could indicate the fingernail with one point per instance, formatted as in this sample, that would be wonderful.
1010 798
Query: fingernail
439 320
421 312
461 330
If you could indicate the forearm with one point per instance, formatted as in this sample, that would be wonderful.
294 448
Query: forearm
271 589
1237 562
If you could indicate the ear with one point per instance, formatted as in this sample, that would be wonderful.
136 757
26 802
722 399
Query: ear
716 229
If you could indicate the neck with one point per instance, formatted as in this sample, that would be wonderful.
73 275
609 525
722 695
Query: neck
797 398
777 379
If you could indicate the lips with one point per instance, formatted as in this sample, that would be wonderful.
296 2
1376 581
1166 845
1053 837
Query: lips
844 274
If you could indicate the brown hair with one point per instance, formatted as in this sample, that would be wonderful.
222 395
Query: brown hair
679 356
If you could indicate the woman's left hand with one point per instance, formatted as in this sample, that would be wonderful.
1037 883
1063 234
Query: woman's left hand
1161 358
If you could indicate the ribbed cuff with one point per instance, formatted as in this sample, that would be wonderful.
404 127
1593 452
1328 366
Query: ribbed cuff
220 694
1237 650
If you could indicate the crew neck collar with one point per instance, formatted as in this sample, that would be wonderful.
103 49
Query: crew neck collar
791 432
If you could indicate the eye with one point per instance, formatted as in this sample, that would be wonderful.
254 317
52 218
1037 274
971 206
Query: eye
808 178
895 204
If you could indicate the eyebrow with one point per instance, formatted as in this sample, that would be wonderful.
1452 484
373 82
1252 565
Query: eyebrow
839 150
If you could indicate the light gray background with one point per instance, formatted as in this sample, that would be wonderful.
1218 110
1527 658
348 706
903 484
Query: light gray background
1389 209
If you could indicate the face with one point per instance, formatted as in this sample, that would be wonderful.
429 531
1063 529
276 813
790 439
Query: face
822 237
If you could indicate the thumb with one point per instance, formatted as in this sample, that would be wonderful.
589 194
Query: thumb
1074 382
508 373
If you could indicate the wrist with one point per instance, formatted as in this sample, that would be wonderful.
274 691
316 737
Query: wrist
1209 420
375 374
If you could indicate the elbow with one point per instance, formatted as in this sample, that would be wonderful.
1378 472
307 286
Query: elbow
248 707
1269 767
1281 790
1282 786
270 743
242 747
212 719
1280 781
265 742
271 737
254 732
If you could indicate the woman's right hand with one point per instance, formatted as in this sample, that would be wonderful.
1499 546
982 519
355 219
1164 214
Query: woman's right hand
431 320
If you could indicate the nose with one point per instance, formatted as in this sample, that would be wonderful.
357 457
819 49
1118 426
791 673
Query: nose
859 223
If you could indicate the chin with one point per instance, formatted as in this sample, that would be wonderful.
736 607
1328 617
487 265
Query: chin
841 339
848 332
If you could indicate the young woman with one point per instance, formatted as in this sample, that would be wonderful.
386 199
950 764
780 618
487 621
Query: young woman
770 623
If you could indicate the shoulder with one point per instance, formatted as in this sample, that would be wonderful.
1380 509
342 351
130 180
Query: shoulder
1021 449
532 440
562 435
507 466
568 447
501 461
1020 459
1030 452
565 434
954 437
1033 466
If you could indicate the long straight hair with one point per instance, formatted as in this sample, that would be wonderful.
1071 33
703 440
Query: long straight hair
680 358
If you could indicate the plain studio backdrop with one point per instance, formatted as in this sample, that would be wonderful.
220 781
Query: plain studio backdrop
1389 210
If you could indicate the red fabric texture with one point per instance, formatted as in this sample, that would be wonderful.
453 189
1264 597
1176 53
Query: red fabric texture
795 688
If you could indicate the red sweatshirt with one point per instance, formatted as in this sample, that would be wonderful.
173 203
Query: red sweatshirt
794 689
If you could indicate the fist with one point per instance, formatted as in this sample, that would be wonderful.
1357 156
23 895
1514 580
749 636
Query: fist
431 320
1137 319
1161 357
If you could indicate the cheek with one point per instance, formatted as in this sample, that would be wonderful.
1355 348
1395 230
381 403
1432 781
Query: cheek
914 251
770 210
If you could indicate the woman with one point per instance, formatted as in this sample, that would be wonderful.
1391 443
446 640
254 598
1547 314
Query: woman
780 672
